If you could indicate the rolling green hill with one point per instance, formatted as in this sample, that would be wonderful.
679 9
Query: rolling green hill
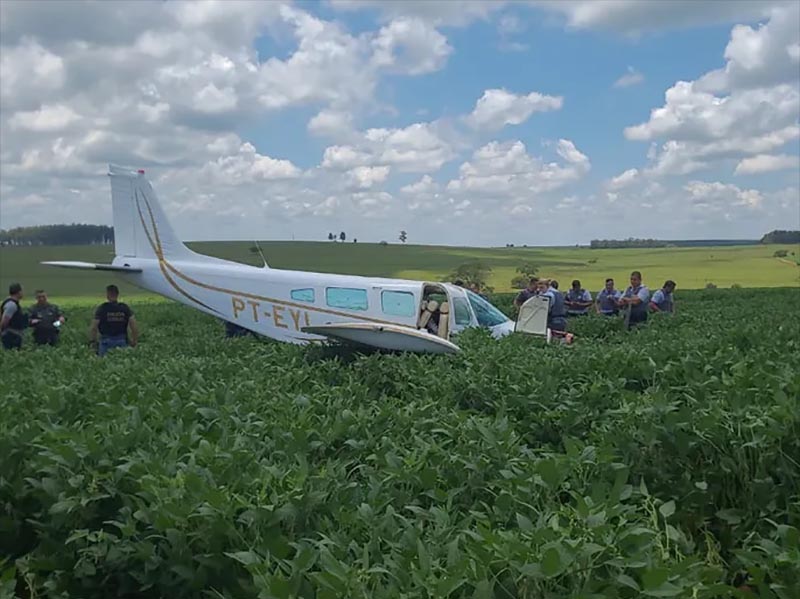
692 268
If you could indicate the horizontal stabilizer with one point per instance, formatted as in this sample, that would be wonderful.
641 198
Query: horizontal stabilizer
92 266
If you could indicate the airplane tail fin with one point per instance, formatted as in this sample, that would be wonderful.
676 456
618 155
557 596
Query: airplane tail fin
141 228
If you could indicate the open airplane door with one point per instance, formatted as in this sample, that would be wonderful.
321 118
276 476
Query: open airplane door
532 317
384 336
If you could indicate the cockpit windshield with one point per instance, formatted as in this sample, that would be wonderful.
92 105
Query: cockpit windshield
486 313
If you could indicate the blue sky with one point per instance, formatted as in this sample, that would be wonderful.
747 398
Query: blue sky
462 122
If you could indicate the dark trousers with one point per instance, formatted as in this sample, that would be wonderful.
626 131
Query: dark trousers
45 337
12 341
637 317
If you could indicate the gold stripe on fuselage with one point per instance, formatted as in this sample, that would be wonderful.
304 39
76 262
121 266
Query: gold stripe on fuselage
164 263
157 248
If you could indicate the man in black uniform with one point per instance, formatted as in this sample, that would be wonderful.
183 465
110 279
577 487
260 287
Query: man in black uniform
13 320
46 320
113 319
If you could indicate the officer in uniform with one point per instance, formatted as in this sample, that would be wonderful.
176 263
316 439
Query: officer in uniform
13 320
113 319
662 299
46 320
606 301
578 300
557 309
635 300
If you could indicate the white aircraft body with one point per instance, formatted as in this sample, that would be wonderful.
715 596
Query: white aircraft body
286 305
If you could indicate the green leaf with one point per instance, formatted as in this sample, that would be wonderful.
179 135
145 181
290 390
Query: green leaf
61 507
702 485
524 523
551 563
244 557
446 585
424 558
627 581
453 554
279 587
665 590
667 509
483 590
548 470
655 577
731 516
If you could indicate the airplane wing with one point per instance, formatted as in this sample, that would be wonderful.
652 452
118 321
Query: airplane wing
92 266
384 336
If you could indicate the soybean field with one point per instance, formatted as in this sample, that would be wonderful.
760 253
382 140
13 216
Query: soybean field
661 462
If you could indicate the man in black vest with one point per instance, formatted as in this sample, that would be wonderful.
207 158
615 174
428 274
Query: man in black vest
113 319
46 320
13 320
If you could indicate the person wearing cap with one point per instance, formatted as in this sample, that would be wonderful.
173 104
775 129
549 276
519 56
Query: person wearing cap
606 300
46 320
13 321
112 319
578 300
635 299
662 299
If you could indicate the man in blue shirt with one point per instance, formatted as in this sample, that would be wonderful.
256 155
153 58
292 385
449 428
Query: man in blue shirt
662 299
635 301
578 300
606 303
557 309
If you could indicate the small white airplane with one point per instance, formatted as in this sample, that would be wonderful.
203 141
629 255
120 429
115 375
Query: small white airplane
286 305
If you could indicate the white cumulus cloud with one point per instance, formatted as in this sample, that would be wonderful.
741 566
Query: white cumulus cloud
766 163
497 108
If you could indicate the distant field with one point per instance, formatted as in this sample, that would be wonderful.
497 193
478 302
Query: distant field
692 268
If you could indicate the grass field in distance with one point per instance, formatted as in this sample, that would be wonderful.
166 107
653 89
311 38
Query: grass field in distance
692 268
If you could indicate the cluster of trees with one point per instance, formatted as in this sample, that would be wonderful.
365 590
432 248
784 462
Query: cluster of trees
479 272
781 237
525 272
473 272
631 242
74 234
340 237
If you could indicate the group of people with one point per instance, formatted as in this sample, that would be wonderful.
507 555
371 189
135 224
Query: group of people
635 302
113 321
114 324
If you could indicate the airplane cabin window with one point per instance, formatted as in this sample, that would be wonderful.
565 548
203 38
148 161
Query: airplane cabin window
462 311
485 312
303 295
342 297
398 303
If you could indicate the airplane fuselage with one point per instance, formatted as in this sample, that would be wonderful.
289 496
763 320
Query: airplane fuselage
280 303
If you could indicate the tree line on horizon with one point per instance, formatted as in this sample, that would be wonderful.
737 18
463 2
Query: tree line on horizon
84 234
773 237
73 234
